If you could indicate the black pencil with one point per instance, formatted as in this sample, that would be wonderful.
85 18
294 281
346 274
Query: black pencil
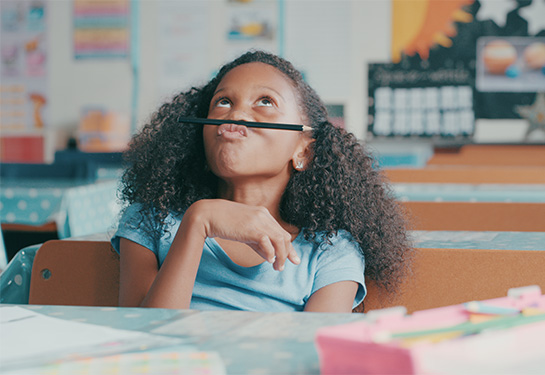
249 124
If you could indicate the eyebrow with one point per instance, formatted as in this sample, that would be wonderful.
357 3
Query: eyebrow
273 90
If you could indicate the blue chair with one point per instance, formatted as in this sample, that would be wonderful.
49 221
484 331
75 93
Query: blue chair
3 253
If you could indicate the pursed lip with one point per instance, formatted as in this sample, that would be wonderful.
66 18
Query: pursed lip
232 130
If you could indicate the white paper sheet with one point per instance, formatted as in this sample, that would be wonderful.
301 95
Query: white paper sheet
28 338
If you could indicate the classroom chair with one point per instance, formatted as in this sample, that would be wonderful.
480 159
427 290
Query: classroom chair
3 253
69 272
86 273
476 216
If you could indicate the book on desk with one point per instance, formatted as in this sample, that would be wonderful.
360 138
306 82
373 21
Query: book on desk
497 336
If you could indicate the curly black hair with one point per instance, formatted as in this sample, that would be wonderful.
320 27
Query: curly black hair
339 189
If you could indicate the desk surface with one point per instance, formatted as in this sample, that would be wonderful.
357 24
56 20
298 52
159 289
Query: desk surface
244 342
247 342
479 240
469 192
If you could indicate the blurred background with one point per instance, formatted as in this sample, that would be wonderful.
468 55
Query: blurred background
94 70
408 77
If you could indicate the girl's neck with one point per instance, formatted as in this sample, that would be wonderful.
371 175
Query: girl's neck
267 195
253 194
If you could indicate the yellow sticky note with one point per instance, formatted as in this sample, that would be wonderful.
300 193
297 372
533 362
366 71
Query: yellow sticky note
431 338
532 311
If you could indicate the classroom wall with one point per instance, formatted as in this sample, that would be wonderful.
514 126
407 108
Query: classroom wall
331 40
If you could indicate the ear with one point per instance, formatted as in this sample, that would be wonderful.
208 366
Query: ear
303 154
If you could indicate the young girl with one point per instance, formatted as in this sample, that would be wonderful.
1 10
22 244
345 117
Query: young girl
210 207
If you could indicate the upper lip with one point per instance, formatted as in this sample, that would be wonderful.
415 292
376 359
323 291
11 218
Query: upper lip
232 128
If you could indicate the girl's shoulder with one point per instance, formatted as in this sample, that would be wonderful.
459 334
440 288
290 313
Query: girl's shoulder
332 252
340 241
138 216
325 239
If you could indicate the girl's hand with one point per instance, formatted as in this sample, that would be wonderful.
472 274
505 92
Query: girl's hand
252 225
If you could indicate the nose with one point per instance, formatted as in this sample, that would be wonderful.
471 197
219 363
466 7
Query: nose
240 112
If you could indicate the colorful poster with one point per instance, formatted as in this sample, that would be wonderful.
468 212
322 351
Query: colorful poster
101 28
510 64
420 25
482 36
23 74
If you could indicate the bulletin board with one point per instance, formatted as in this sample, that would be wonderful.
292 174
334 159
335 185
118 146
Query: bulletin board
463 42
101 28
421 102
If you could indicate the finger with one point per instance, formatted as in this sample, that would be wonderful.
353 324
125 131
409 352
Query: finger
266 249
281 243
292 255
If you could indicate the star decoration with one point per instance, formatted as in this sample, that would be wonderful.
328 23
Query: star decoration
495 10
535 15
535 114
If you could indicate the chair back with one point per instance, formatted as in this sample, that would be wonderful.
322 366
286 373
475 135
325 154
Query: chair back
443 277
68 272
86 273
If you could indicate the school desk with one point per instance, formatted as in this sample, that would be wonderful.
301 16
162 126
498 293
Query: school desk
467 174
247 342
447 192
475 216
75 207
450 266
43 339
491 155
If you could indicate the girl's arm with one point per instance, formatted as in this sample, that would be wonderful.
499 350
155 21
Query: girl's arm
335 298
171 286
142 283
138 268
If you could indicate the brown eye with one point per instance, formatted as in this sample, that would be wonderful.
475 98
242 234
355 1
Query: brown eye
265 102
223 102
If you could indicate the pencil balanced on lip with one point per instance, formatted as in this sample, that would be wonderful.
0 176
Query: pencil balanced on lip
249 124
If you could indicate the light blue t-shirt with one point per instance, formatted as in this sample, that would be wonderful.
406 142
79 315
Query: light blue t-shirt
223 284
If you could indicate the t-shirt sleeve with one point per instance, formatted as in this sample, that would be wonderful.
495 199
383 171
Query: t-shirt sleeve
133 226
341 261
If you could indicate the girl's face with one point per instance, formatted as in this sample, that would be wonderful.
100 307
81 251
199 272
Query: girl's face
254 92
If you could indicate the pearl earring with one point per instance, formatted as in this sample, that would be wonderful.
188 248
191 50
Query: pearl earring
299 165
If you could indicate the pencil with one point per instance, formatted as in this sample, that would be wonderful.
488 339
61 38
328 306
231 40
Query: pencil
249 124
